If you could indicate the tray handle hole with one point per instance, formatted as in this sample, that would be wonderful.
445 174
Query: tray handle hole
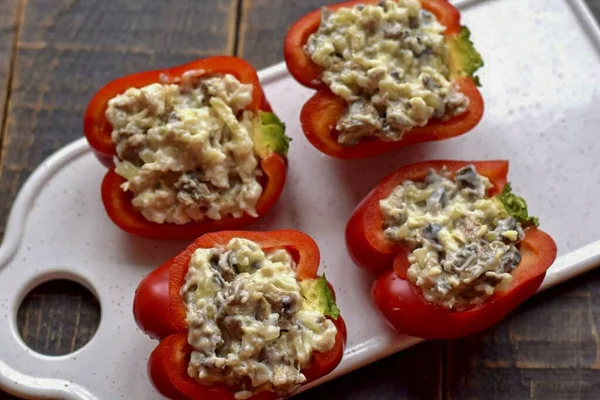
58 317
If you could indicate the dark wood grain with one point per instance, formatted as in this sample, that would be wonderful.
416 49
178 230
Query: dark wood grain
263 25
595 7
412 374
9 17
548 349
59 317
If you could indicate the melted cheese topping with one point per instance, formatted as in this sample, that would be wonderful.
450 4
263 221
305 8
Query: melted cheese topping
464 243
390 63
186 149
249 324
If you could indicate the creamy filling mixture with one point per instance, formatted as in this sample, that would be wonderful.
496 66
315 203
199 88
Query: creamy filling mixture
250 325
186 149
389 61
464 242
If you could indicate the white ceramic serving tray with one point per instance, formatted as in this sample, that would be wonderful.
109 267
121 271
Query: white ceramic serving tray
540 85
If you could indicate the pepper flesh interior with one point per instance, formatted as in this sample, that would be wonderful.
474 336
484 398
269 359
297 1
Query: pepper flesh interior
390 62
250 325
464 243
186 149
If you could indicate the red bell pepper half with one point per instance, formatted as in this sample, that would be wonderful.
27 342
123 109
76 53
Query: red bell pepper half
402 303
320 113
159 311
118 202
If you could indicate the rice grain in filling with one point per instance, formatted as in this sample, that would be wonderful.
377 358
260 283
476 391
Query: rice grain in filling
389 61
464 243
187 149
249 325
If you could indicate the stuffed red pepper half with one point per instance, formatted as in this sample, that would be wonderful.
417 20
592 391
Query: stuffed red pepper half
388 73
191 149
456 250
240 315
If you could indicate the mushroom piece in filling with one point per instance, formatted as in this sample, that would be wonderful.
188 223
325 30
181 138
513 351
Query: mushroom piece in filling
389 61
464 243
251 323
186 149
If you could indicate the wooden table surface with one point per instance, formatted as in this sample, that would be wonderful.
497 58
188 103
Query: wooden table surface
54 54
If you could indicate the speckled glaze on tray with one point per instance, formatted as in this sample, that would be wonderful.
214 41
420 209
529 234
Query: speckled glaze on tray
541 113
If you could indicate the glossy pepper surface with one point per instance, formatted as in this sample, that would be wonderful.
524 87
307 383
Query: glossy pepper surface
117 202
321 112
401 302
160 312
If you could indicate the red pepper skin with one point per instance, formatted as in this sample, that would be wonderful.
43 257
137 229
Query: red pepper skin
159 311
320 113
117 202
400 302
